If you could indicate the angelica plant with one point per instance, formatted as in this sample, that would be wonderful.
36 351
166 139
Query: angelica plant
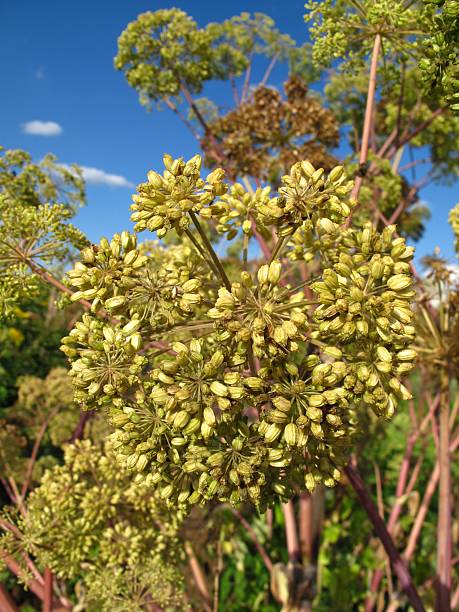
37 200
91 524
241 384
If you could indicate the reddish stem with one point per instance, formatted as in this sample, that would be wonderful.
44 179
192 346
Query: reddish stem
199 577
78 432
7 603
291 533
269 69
368 120
253 536
48 591
36 448
399 492
306 526
444 551
423 508
380 528
410 135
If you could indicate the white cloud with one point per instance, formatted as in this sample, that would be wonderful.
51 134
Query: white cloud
42 128
40 73
95 176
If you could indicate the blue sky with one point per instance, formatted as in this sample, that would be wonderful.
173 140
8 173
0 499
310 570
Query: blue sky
57 66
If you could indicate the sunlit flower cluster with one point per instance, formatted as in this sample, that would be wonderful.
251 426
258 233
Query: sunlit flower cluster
242 383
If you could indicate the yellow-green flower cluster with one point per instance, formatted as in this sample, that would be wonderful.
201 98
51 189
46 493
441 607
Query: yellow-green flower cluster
365 306
306 194
129 282
103 268
453 219
88 517
244 384
104 361
237 210
163 203
260 316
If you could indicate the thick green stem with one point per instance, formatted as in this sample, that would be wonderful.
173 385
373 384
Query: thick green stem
201 251
278 247
211 251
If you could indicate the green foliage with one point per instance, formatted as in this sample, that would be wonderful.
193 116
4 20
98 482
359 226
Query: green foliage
46 182
34 228
426 32
228 379
163 51
40 401
349 550
88 521
346 30
29 341
439 63
166 54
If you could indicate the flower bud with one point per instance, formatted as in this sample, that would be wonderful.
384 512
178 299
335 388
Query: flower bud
291 434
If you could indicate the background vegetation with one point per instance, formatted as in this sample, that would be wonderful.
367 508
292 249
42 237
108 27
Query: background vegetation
85 530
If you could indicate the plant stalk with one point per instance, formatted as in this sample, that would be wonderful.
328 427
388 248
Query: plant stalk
380 528
444 550
291 533
7 603
367 124
215 259
48 591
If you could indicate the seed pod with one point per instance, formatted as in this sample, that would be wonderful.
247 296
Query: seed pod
216 459
115 302
274 272
282 403
336 174
406 355
316 430
142 463
246 279
273 432
166 491
192 427
181 419
333 351
309 482
109 334
244 469
130 257
136 341
132 461
234 477
327 225
291 434
278 416
178 441
275 454
399 282
155 179
383 354
209 416
219 388
307 168
206 430
262 274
